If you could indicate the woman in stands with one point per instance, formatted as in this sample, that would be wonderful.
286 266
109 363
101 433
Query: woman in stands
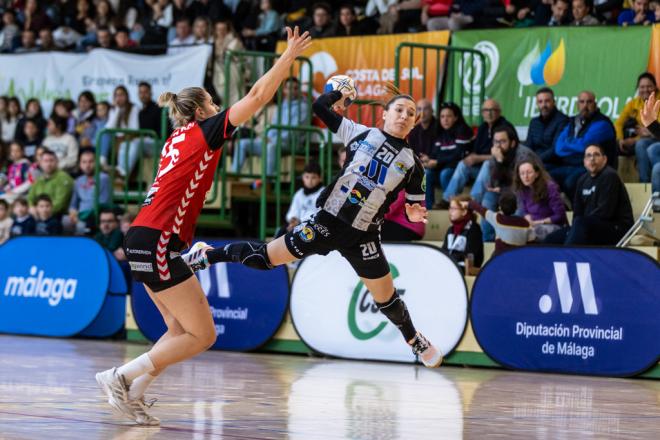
165 226
379 164
539 198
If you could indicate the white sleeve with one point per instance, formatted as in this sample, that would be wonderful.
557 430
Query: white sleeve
70 160
113 118
348 130
133 118
296 206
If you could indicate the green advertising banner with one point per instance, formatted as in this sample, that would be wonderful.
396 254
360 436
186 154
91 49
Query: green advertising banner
605 60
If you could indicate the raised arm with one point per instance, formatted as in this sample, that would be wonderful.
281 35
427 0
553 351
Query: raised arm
264 89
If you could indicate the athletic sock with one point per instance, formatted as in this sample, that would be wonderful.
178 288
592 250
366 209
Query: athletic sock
140 385
397 312
137 367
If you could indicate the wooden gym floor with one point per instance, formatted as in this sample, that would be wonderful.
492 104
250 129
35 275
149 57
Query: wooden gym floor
47 391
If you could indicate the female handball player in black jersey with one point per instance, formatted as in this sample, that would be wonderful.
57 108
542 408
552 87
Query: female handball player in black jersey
165 226
379 164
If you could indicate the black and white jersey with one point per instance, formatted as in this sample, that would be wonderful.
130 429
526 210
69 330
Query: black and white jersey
377 167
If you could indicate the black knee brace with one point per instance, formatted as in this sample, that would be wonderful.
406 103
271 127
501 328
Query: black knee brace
397 312
249 253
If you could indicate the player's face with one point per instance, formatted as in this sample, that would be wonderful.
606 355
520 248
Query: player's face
400 118
207 109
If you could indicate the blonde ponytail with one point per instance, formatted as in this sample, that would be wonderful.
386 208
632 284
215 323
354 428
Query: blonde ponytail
182 106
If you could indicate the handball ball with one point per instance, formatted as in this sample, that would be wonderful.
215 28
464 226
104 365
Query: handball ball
344 84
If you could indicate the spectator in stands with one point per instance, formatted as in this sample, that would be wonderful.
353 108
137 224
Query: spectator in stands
123 39
4 165
150 114
452 142
654 7
348 24
18 174
83 118
472 165
32 137
341 156
82 16
269 26
539 198
638 14
202 30
46 41
63 144
63 107
601 210
5 221
46 222
214 10
589 126
184 36
10 120
124 114
560 13
423 135
33 17
463 238
303 204
9 30
103 38
105 17
80 218
109 235
461 15
435 14
582 13
321 25
227 40
22 221
125 221
511 230
57 184
544 129
396 226
401 16
66 38
32 111
631 134
294 111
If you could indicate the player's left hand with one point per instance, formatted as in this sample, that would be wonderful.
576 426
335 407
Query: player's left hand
416 213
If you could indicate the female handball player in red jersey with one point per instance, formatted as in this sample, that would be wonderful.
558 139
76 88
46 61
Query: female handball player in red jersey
165 225
379 164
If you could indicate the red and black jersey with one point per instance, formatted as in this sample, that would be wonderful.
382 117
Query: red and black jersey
185 174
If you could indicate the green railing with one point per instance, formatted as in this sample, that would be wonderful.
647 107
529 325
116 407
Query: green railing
449 79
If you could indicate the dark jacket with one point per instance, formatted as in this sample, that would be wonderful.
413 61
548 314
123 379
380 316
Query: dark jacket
451 145
421 139
605 197
543 133
484 140
578 134
469 241
51 226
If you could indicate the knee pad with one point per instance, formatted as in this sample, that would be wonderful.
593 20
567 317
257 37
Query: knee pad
251 254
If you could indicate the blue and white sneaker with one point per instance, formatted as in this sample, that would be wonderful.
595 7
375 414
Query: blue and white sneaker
196 258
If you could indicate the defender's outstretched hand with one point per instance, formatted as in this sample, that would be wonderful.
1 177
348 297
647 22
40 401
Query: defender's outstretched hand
416 213
650 110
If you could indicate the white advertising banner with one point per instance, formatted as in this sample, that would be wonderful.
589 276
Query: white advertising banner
334 313
51 75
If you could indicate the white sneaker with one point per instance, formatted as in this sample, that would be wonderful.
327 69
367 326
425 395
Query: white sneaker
196 258
427 353
142 417
114 386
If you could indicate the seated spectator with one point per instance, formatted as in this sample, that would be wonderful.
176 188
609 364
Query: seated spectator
545 128
61 143
511 230
461 15
435 14
401 16
103 39
5 221
22 222
124 114
28 42
33 17
122 39
654 7
63 108
184 36
83 117
463 238
540 199
602 213
471 166
396 226
18 174
32 137
227 40
109 235
303 204
348 24
55 183
321 26
424 133
9 30
9 121
66 38
292 110
80 219
582 13
452 142
638 14
32 111
269 25
46 222
202 30
46 41
565 162
150 115
560 13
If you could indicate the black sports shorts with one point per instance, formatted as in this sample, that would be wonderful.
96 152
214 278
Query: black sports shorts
324 233
155 257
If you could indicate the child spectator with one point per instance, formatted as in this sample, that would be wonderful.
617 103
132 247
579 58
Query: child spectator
109 235
464 237
303 205
46 222
510 230
18 174
23 222
5 221
31 138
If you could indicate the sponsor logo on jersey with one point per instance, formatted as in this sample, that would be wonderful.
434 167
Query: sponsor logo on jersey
356 197
307 234
400 167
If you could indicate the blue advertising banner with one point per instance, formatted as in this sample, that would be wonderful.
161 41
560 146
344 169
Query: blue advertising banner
571 310
51 286
248 305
